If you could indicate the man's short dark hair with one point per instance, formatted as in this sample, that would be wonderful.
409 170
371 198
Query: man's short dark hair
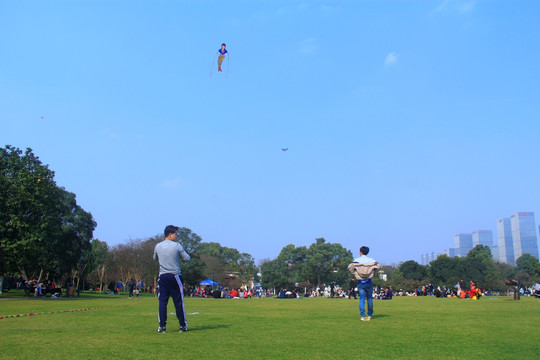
170 229
364 250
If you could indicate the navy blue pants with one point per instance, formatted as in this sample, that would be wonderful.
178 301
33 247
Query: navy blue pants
171 285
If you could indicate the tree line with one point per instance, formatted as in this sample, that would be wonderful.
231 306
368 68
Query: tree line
134 260
477 266
44 233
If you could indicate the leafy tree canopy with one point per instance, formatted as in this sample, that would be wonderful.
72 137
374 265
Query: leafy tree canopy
42 228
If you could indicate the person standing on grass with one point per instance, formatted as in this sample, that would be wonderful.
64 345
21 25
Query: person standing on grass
168 253
352 286
363 268
131 286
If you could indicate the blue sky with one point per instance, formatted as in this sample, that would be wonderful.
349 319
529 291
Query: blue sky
406 121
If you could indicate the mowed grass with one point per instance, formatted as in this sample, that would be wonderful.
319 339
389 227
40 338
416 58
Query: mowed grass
319 328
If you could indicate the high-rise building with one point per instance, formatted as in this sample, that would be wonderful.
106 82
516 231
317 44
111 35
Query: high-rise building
462 244
422 259
524 234
494 252
451 252
505 241
482 237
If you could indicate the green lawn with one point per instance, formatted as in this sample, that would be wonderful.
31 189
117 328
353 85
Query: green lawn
122 328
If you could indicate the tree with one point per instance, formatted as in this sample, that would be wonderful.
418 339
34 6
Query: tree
527 263
326 262
192 271
96 255
411 270
246 266
478 266
445 271
274 274
42 229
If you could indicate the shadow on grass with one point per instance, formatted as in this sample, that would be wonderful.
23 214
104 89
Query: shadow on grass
209 327
378 316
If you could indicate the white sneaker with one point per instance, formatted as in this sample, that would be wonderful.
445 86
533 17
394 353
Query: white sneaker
368 318
364 319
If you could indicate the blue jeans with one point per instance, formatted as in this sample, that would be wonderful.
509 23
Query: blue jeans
366 292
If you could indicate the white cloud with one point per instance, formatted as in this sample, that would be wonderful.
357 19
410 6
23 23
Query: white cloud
308 46
391 58
171 183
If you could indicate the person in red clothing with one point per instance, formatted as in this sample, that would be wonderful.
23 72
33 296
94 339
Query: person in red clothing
234 293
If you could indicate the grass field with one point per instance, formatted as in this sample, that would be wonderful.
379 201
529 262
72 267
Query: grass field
122 328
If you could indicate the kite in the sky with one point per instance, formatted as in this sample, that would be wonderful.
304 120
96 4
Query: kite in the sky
221 54
285 149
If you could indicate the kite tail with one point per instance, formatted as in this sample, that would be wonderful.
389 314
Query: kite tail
213 61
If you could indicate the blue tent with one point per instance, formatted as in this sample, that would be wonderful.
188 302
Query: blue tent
208 282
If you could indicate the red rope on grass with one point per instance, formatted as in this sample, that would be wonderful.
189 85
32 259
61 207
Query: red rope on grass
59 311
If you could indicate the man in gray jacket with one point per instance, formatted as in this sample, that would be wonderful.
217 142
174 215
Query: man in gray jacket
168 253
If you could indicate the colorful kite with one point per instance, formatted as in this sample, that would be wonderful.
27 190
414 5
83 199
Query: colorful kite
221 54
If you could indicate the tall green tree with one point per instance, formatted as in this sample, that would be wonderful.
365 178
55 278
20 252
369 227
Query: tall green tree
445 271
529 264
411 270
274 274
478 266
193 270
326 262
42 228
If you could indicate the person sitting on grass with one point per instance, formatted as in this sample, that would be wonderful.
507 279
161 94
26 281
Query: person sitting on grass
388 294
234 293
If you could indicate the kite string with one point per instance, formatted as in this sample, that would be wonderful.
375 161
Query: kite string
212 67
228 65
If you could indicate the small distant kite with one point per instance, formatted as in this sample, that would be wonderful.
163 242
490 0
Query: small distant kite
42 117
221 54
285 149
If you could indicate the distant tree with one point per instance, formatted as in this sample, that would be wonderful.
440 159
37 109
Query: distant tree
189 240
96 255
274 274
326 262
527 263
246 267
193 270
411 270
292 261
478 266
445 271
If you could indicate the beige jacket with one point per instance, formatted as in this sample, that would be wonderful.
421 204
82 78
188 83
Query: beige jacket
363 271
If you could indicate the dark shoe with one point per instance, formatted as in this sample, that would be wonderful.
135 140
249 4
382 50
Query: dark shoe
183 329
161 330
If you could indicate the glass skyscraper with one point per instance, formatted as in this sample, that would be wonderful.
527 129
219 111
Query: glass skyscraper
506 243
524 234
462 244
482 237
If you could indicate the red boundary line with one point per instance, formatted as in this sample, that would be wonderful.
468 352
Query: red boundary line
58 311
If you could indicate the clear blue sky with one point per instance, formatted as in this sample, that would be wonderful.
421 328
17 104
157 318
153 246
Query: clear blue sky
406 121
